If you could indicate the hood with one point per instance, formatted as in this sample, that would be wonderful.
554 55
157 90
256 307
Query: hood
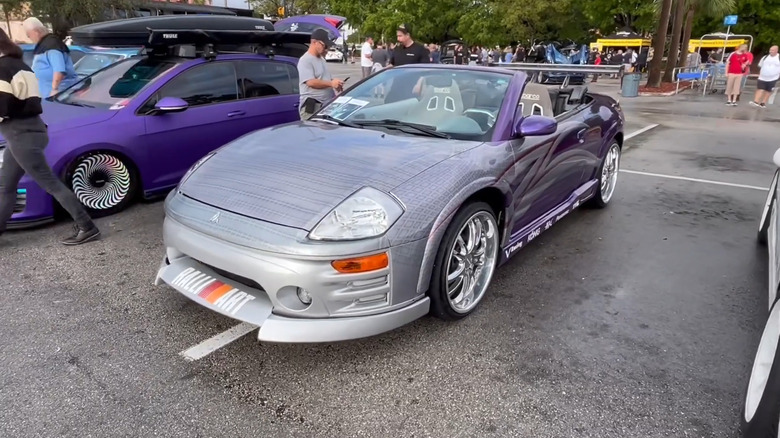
60 116
295 174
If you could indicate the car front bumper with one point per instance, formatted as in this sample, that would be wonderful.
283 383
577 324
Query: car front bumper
261 288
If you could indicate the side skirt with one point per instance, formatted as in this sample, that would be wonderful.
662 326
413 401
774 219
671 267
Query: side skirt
547 220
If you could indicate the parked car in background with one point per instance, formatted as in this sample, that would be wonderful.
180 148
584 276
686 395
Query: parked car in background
76 53
761 408
377 211
334 55
101 57
133 128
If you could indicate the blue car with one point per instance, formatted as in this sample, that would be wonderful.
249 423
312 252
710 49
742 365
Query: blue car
100 57
76 53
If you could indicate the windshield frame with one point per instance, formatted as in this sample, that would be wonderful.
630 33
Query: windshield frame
176 63
503 81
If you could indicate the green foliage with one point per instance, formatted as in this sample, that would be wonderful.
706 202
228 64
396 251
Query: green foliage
760 18
611 15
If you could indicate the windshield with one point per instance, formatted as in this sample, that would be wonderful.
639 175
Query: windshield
93 62
113 87
464 104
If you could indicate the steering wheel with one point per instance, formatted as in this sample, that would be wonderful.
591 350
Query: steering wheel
490 116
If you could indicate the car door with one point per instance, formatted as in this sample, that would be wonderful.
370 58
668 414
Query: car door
269 90
215 116
547 169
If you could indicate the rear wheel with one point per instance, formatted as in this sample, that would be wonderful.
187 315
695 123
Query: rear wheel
763 224
465 262
104 183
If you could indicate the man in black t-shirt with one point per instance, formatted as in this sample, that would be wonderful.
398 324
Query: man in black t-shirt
406 52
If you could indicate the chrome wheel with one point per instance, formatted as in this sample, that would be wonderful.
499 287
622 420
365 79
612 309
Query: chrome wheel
471 262
763 364
609 173
101 181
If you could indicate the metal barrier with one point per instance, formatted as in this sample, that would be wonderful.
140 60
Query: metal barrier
568 69
692 74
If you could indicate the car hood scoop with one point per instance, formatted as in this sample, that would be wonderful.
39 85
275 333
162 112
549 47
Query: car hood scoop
293 175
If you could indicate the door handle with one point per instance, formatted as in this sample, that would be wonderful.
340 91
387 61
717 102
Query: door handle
236 113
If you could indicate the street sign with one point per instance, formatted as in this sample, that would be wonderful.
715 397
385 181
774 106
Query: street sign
730 20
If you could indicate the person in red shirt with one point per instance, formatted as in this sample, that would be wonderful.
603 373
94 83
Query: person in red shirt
737 67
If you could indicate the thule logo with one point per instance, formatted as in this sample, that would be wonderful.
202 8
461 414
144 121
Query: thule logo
170 35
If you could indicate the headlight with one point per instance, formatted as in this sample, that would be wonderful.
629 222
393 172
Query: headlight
367 213
193 168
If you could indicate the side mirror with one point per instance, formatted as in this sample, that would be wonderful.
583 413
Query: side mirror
535 125
170 105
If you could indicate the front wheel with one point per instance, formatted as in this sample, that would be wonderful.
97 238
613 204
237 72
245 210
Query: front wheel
608 176
465 262
761 410
103 183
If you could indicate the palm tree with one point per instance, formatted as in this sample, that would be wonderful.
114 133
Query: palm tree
674 44
654 77
709 8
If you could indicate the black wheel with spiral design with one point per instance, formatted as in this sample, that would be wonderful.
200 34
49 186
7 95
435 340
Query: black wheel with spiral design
104 183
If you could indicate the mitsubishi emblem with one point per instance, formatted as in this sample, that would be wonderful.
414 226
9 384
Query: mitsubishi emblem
215 219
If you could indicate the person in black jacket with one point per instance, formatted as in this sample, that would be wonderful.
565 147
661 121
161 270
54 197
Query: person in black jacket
27 136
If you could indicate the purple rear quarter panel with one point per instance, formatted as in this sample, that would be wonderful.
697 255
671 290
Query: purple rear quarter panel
74 131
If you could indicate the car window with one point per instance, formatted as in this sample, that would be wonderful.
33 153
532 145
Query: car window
205 84
93 62
76 55
266 78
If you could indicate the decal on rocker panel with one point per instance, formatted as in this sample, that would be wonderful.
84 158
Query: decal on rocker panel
223 296
546 225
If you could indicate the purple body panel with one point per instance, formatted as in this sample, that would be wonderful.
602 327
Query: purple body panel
160 147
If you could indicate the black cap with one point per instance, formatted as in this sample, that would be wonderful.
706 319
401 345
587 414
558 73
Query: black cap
322 35
405 28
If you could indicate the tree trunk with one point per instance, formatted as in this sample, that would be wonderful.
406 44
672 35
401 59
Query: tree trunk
686 41
654 77
674 44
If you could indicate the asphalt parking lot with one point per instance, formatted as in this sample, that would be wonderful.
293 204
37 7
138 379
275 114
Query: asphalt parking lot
640 320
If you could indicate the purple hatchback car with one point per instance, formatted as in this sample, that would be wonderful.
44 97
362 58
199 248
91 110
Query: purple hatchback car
134 128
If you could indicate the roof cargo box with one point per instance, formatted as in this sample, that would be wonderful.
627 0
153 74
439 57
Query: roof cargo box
134 32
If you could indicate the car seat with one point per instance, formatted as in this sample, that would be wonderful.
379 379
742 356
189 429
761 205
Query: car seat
440 99
536 100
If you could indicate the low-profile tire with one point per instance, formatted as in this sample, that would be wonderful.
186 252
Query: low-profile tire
763 223
465 262
761 407
608 177
103 182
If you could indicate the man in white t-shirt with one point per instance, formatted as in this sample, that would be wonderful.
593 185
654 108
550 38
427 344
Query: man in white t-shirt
365 56
767 77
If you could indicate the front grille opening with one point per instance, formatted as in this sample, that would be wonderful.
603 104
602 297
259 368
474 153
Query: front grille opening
243 280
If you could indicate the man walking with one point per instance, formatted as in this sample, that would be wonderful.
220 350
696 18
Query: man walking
767 77
316 84
51 62
366 61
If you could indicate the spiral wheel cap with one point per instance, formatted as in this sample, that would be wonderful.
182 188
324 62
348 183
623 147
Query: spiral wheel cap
101 181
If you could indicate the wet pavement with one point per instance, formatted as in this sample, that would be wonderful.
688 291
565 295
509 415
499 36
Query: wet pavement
637 320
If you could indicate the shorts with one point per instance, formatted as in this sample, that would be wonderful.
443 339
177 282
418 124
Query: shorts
733 84
766 85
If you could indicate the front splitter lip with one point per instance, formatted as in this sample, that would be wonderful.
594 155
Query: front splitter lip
240 302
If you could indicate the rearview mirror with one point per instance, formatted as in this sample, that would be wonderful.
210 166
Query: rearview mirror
170 105
535 125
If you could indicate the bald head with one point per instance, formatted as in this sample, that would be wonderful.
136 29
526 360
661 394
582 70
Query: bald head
34 29
773 50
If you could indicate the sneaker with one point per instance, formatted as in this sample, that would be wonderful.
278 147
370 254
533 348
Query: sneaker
754 103
734 104
728 103
763 105
82 236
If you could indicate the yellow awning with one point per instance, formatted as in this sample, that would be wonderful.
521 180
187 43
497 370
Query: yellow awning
714 44
624 43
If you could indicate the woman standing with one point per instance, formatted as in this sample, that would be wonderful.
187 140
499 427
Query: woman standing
738 64
27 136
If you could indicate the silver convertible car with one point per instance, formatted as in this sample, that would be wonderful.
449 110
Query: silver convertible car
397 199
761 411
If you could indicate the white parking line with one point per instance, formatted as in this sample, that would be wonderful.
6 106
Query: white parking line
216 342
685 178
641 131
